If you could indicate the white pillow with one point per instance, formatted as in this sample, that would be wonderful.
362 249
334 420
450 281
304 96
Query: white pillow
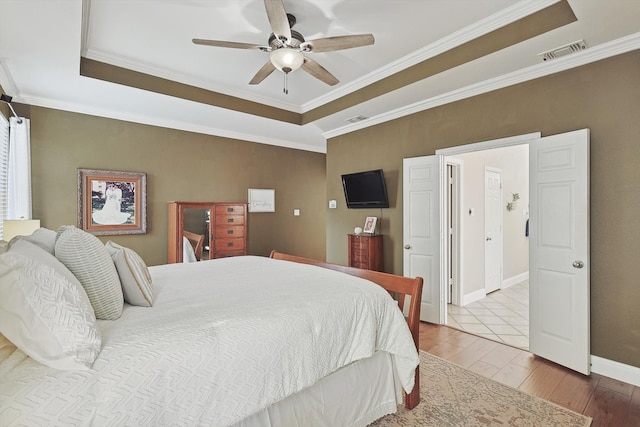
88 259
188 254
45 315
39 255
134 275
44 238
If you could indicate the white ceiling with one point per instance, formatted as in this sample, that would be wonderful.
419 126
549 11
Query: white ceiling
41 42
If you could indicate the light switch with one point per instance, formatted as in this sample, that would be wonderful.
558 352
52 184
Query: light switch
296 212
333 204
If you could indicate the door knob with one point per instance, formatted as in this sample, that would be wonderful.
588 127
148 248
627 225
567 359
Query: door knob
578 264
488 238
407 246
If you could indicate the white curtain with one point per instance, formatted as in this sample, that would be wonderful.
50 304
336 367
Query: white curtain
19 179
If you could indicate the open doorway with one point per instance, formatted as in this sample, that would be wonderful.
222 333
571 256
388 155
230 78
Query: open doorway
487 205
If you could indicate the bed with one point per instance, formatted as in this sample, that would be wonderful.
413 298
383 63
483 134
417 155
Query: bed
243 341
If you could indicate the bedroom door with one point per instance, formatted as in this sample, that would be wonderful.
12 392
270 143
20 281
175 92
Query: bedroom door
421 231
559 326
492 229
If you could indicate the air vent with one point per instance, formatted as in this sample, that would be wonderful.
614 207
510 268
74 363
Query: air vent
356 119
563 50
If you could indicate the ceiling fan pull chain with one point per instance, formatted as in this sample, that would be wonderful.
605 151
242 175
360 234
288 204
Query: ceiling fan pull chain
286 84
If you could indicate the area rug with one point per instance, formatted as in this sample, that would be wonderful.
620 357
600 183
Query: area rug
453 396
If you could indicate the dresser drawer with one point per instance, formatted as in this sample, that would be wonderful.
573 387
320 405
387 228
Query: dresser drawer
234 245
230 210
229 220
228 232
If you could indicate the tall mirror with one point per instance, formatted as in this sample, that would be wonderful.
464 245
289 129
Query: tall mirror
196 230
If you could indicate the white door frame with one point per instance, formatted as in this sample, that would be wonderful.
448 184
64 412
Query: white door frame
456 219
468 148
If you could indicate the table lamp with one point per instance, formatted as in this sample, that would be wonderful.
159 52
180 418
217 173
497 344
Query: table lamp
18 227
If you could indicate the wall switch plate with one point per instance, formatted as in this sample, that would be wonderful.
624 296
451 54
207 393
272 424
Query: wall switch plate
333 204
296 212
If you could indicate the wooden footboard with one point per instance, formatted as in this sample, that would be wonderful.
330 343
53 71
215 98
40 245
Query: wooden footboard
399 287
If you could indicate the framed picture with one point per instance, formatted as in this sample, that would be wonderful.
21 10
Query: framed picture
262 200
112 202
370 224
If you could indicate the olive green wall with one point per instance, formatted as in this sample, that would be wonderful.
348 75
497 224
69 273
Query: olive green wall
180 166
603 96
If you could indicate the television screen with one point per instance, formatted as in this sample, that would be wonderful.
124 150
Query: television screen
365 190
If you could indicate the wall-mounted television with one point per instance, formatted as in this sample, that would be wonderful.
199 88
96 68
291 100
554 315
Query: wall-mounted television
365 190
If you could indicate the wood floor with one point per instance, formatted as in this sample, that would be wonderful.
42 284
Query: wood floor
609 402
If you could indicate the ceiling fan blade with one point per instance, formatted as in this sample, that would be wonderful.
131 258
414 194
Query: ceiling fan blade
262 73
234 45
278 18
329 44
319 72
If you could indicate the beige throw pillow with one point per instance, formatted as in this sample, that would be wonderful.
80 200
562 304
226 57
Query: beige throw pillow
134 275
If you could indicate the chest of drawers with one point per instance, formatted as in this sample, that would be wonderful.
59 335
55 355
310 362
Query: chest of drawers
229 230
365 251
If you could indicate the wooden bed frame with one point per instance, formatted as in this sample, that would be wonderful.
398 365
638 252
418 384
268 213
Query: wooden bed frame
399 287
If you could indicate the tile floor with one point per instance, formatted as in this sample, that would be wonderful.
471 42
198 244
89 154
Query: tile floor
501 316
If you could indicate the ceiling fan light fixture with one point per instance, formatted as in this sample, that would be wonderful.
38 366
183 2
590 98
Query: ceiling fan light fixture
286 59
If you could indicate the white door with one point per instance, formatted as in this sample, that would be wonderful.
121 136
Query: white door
421 230
559 249
492 229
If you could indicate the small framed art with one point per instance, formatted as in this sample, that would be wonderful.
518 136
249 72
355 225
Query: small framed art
370 224
112 202
262 200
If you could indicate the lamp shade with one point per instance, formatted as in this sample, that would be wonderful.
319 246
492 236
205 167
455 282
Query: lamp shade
18 227
286 59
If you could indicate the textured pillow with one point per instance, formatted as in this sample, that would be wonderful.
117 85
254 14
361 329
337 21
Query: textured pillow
88 259
44 238
134 275
39 255
45 315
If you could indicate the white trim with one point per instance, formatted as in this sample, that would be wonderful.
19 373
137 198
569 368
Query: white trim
484 26
171 124
457 165
616 370
473 297
587 56
493 143
514 280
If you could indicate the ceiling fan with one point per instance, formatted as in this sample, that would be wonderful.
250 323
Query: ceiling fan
287 47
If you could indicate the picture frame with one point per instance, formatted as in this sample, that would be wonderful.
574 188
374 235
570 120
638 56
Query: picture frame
262 200
370 224
112 202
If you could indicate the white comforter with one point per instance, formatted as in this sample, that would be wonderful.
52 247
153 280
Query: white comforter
224 339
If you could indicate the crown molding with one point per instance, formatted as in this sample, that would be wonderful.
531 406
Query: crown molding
5 76
171 124
593 54
484 26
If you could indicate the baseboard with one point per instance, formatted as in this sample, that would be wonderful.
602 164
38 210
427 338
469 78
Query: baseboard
616 370
473 296
515 279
